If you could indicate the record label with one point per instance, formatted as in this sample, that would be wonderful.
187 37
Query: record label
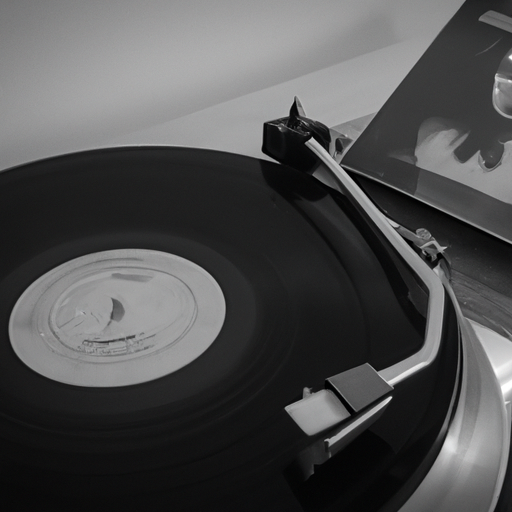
116 318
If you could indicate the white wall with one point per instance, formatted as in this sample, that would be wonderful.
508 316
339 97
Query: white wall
75 73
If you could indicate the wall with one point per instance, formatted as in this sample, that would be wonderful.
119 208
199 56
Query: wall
74 74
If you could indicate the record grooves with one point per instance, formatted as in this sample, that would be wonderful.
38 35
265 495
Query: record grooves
297 311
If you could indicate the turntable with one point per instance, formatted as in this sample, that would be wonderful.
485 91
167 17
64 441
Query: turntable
194 329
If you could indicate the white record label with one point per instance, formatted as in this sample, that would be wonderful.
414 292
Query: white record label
117 318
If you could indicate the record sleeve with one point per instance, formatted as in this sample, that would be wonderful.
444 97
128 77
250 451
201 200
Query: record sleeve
445 135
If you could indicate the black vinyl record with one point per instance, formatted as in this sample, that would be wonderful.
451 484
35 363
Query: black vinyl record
305 299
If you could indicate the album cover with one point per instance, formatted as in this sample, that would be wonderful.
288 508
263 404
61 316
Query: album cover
445 135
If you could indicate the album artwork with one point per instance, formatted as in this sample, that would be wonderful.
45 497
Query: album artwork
445 135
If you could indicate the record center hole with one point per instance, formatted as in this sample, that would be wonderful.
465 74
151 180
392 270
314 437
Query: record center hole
118 311
95 319
94 315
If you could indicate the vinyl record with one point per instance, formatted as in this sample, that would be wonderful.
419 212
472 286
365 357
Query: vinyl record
159 307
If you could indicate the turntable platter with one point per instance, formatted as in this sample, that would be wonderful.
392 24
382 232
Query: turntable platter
265 257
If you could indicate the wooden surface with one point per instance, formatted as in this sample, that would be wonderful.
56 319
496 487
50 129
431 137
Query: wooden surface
480 263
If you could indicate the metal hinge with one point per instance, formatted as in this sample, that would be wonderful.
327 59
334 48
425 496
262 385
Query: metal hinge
423 240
